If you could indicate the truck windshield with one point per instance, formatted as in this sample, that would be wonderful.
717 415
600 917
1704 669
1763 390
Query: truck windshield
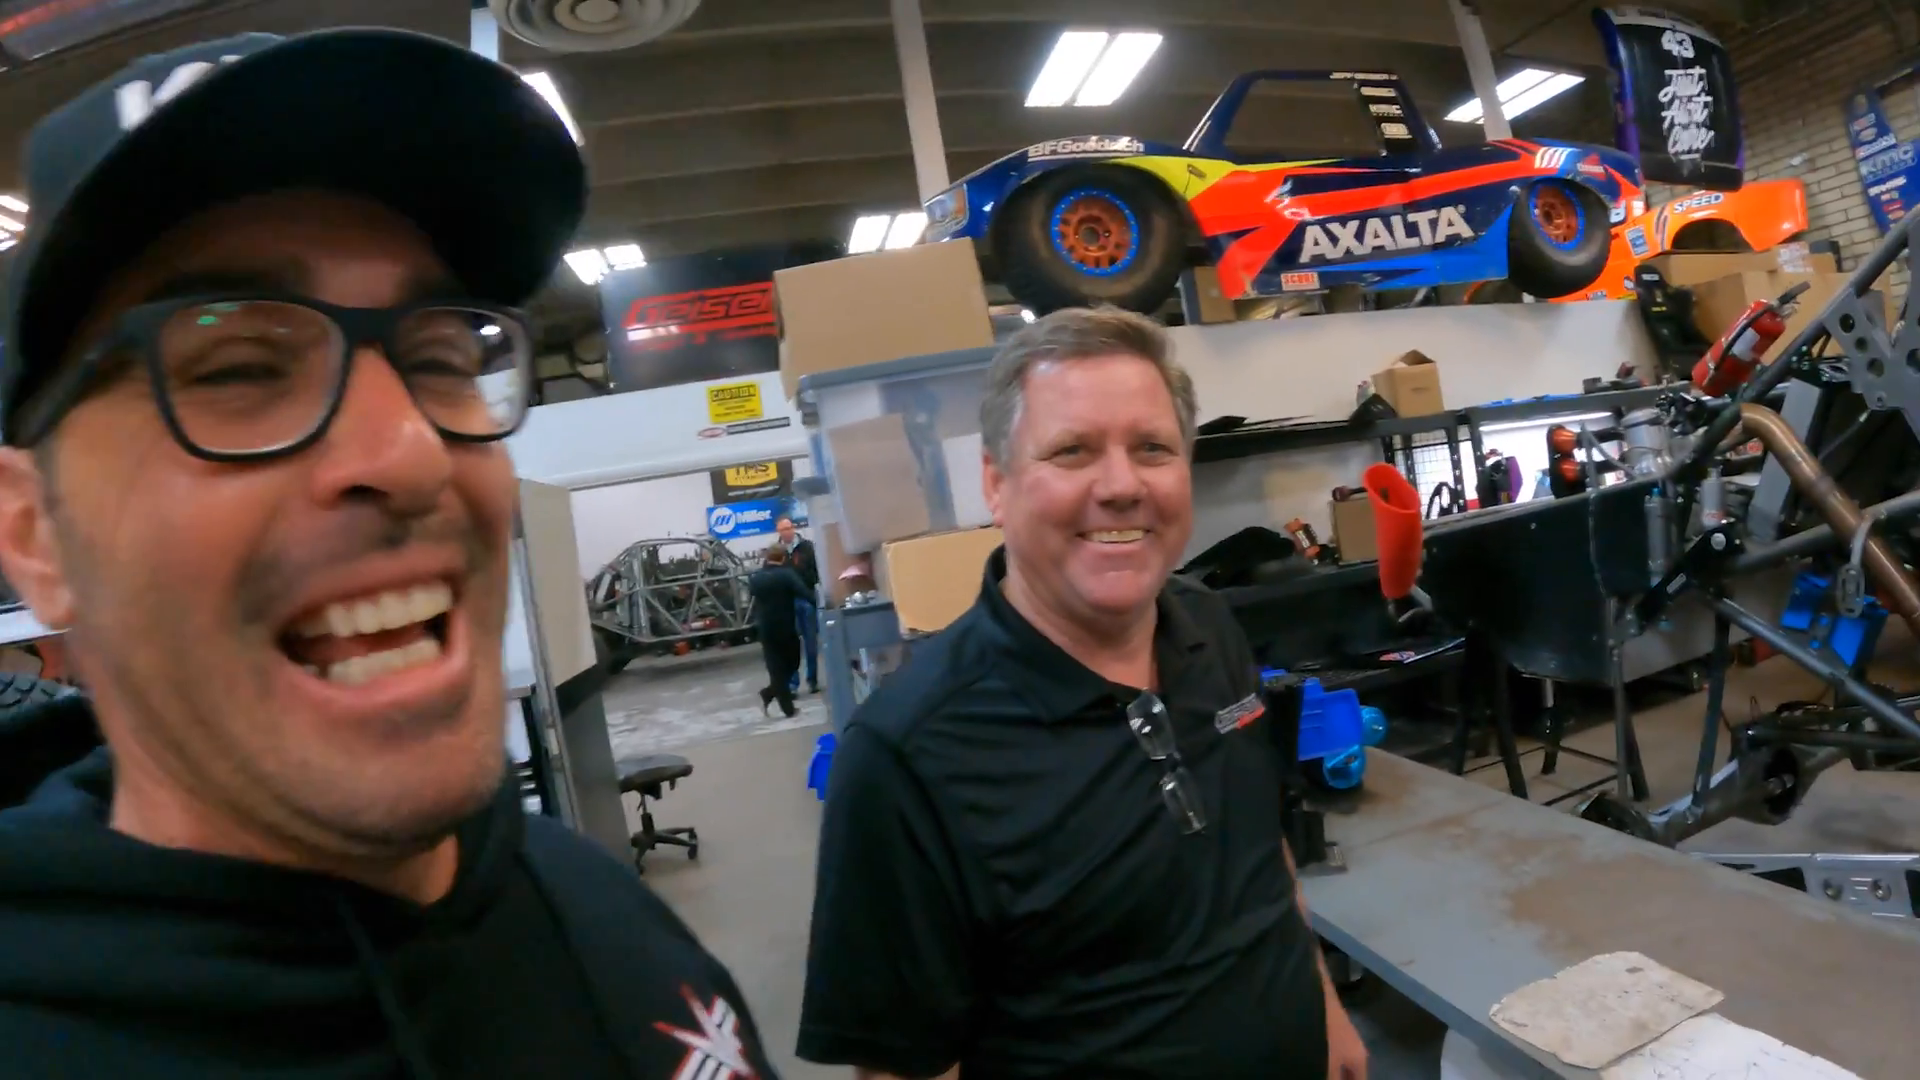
1287 120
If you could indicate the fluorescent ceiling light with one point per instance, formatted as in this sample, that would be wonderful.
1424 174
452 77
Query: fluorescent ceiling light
7 243
14 204
871 232
490 330
1518 93
1091 67
592 264
589 265
625 256
542 84
1118 65
1026 315
906 229
11 224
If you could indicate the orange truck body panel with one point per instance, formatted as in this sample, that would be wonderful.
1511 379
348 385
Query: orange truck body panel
1766 213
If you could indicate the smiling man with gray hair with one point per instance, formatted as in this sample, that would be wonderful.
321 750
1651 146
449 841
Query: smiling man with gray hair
1052 843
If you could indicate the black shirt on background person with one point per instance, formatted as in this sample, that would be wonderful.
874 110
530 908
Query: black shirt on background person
776 589
998 861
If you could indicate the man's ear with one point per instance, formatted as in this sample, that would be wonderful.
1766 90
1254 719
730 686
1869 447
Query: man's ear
991 481
29 543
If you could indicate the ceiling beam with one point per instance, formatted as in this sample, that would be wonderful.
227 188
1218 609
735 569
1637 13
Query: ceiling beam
617 89
743 20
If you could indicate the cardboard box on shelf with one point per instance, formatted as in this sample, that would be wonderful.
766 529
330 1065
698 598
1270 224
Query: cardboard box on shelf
878 479
1411 385
1353 531
932 580
867 309
1719 303
1685 269
1200 293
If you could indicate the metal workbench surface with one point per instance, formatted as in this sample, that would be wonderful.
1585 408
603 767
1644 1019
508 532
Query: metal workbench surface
1457 895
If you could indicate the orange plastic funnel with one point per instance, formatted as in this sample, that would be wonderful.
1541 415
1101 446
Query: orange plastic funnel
1396 528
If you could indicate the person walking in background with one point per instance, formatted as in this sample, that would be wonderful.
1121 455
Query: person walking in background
778 593
800 556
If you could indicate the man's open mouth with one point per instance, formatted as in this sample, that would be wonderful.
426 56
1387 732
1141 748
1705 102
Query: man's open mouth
1116 536
357 640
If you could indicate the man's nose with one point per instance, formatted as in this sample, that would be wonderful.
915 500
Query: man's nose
1117 479
380 445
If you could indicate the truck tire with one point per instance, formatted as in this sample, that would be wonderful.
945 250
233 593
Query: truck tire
1084 236
1558 239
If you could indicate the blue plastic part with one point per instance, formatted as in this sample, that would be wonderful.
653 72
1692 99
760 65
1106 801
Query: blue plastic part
1345 770
1373 725
1330 721
821 766
1810 610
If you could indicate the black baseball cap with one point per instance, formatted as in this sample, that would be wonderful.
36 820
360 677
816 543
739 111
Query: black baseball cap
457 143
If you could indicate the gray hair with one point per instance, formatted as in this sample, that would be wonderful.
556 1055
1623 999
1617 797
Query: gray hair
1077 334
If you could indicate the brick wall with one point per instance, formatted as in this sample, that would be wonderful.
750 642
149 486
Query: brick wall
1794 78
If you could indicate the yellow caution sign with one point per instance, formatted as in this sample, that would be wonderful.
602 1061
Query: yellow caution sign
733 403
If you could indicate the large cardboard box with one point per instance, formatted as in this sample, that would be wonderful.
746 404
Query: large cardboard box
1686 269
867 309
878 477
933 580
1719 303
1411 385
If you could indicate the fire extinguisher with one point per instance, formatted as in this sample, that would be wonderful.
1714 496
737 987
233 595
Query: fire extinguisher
1733 359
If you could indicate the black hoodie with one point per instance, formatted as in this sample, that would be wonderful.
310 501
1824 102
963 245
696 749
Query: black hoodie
123 960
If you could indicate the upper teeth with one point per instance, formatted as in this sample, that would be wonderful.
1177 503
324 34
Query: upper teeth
1117 536
389 610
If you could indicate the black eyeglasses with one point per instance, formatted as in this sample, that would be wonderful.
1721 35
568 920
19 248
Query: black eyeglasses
1153 727
247 377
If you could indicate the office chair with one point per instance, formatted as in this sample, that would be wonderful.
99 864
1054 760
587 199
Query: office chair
651 778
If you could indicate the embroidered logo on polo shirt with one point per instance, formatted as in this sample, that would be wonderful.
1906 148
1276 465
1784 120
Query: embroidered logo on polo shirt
715 1049
1239 714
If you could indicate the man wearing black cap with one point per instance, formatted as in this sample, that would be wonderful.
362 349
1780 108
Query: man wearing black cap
260 355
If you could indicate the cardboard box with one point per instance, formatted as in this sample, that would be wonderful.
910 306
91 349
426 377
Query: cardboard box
1411 385
933 580
868 309
1200 295
1353 529
1685 269
1719 303
877 477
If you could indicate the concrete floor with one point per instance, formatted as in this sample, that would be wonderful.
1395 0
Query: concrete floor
750 894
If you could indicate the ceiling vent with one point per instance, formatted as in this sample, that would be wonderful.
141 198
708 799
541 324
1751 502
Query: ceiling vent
590 25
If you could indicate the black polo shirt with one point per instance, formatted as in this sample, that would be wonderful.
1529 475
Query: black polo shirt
1001 885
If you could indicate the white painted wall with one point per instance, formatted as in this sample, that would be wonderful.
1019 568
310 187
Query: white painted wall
607 519
1309 368
645 434
1306 368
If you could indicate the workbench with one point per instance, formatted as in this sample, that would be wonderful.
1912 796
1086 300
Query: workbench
1456 895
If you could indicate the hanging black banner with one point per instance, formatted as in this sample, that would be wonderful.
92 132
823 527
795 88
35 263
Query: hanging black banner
697 317
1674 98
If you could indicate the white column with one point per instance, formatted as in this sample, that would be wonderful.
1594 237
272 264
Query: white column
1473 42
483 34
916 86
